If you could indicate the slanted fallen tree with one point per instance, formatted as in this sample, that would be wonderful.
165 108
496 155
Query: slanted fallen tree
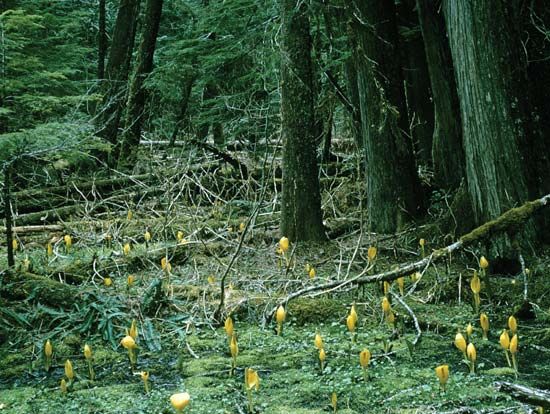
510 222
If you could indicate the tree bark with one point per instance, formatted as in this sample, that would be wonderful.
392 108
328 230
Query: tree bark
101 41
117 69
447 150
484 61
301 217
138 95
417 83
185 95
393 187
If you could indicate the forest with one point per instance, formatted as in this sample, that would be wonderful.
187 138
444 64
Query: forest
274 206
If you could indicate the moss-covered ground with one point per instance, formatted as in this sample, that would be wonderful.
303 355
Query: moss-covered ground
184 351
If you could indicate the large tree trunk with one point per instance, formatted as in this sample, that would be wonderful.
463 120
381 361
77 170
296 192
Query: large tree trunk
137 96
393 188
484 61
301 217
447 151
101 41
117 69
417 83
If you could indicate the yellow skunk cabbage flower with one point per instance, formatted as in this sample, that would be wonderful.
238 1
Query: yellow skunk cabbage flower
371 253
401 285
252 379
351 322
107 281
387 287
514 344
133 332
242 226
14 244
513 324
126 249
49 249
284 244
505 344
130 280
311 273
471 353
364 358
475 284
322 357
129 215
68 242
280 316
147 236
484 322
87 351
334 402
469 330
179 236
442 373
180 401
88 356
386 307
504 339
165 265
48 349
48 352
460 343
422 243
318 341
69 373
63 385
228 326
234 347
390 318
128 342
483 263
145 378
416 276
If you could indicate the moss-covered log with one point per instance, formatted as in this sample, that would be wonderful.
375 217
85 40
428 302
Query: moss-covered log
23 285
510 221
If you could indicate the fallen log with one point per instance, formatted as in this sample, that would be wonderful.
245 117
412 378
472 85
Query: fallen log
510 221
34 229
526 394
24 285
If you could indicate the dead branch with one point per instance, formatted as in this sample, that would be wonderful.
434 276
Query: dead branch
526 394
508 221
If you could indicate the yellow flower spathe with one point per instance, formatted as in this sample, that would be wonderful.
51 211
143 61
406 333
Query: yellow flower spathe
180 401
284 244
442 373
364 358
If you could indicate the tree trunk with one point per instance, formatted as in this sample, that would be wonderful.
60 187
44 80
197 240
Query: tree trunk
101 41
393 188
447 151
417 83
185 95
137 96
301 217
117 69
484 61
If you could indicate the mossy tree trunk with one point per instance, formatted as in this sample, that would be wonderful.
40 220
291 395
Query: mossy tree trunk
137 95
101 40
417 83
393 187
301 217
484 58
447 151
118 66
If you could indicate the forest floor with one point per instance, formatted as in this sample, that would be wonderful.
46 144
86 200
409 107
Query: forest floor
184 349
